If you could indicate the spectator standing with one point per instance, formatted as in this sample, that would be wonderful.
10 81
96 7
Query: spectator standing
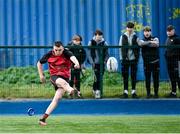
78 51
129 58
150 54
172 55
94 57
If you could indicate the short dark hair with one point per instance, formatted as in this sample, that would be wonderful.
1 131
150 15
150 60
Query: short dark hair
58 43
130 24
170 27
77 37
147 28
99 32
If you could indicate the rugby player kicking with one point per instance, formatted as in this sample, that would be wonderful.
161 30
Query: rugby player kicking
59 63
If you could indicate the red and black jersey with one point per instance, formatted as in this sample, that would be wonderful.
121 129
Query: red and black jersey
58 65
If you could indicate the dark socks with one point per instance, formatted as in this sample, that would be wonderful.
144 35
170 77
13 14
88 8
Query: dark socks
45 116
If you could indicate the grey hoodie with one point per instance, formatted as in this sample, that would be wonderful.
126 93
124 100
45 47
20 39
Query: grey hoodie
97 53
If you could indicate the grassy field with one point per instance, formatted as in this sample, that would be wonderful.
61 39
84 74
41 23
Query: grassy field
91 124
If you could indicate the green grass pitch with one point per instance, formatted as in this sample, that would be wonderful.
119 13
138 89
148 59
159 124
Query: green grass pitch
92 124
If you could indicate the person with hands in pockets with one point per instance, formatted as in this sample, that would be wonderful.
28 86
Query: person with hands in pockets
94 58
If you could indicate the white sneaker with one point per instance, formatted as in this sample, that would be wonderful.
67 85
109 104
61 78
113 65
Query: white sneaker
97 94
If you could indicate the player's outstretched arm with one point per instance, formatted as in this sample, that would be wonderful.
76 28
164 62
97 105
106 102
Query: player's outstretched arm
40 71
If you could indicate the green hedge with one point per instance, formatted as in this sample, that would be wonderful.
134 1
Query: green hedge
23 82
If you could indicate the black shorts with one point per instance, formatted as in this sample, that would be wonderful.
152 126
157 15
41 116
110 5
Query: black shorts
54 78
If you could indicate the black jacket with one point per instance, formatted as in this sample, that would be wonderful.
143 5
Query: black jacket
173 52
149 53
125 48
93 53
78 52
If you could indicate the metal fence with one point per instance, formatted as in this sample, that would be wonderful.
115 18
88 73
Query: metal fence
16 58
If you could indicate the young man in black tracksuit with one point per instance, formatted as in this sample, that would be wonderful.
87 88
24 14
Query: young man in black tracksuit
150 54
129 58
78 51
172 55
94 57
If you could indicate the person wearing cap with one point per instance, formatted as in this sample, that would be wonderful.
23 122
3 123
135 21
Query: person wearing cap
129 58
94 58
172 55
78 51
59 62
150 55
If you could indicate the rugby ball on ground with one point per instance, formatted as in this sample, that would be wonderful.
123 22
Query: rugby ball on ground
112 64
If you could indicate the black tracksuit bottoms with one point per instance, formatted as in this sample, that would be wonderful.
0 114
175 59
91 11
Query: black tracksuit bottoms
172 66
152 69
125 67
97 77
75 78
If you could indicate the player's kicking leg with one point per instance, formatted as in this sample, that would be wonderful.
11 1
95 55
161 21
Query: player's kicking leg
58 95
63 86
